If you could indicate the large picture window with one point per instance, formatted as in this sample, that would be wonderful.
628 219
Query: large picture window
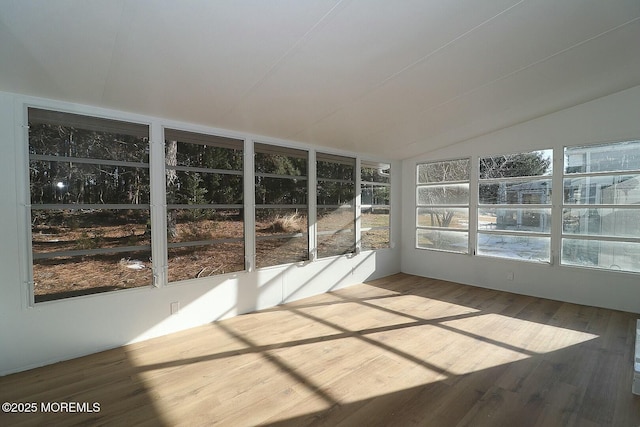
282 233
442 206
90 211
514 206
205 215
375 192
601 206
336 209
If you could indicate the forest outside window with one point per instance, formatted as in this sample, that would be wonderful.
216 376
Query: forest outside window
375 191
205 211
601 206
336 209
90 212
514 206
442 200
281 187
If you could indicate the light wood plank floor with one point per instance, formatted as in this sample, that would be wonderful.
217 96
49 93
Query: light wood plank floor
400 351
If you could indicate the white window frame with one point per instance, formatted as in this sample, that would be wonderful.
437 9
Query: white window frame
621 206
353 205
380 166
419 205
531 206
88 115
270 148
193 137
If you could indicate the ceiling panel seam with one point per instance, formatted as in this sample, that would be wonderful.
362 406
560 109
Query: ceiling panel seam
111 55
297 45
444 46
506 76
407 68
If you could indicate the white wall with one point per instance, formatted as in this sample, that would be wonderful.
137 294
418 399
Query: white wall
609 119
63 329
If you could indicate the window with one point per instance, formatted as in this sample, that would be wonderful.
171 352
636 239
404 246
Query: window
282 226
205 215
375 190
514 206
601 208
336 209
442 215
90 211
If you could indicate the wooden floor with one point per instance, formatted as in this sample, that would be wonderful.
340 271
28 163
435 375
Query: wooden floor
399 351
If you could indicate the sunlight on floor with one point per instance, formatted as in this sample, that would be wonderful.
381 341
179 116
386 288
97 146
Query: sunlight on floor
307 357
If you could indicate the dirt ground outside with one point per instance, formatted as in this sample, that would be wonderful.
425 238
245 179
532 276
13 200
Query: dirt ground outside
69 276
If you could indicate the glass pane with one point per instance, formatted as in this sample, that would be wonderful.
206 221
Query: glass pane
380 174
195 188
602 222
453 241
526 192
281 191
535 163
515 219
74 183
192 262
620 156
205 156
65 277
67 141
374 195
68 230
335 193
189 225
375 239
527 248
457 218
621 256
594 190
452 194
281 164
281 251
447 171
337 243
336 170
336 231
281 221
336 219
374 218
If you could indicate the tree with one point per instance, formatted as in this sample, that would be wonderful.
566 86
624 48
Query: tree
524 164
454 171
454 176
171 159
282 191
531 164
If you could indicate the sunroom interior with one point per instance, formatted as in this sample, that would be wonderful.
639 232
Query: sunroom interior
167 165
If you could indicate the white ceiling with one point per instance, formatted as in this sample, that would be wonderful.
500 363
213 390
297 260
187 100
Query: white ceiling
389 78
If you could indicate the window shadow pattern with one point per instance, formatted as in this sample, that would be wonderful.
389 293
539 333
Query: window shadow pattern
402 350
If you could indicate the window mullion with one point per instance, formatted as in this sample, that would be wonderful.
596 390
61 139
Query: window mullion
313 206
474 175
158 205
358 206
249 184
556 206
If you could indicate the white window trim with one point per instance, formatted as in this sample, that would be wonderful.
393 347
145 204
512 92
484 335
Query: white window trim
562 206
417 185
157 196
516 179
366 164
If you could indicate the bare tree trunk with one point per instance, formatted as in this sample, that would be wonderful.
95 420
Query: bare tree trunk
171 159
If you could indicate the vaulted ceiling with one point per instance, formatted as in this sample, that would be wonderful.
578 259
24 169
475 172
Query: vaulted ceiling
389 78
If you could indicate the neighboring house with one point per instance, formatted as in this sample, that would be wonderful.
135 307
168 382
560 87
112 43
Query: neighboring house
598 200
